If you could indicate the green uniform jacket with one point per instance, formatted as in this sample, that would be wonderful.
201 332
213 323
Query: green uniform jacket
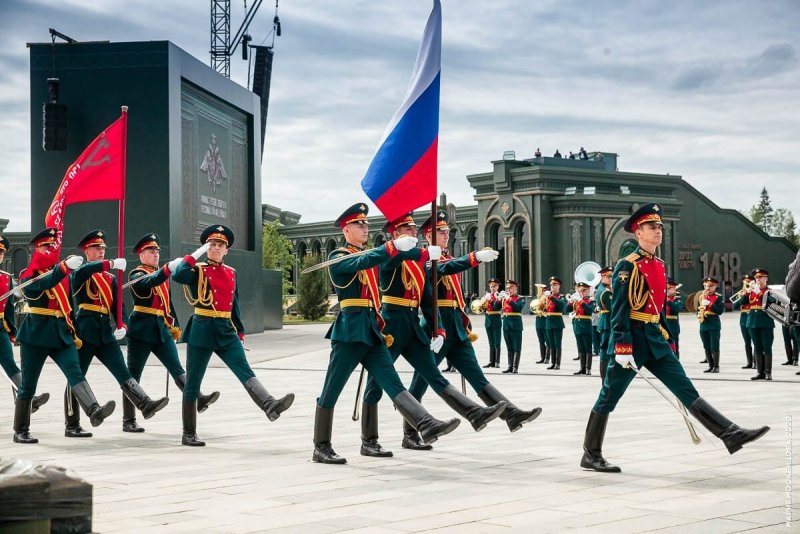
453 321
759 318
585 307
44 330
513 323
402 321
356 323
208 332
556 322
494 320
674 308
713 322
621 342
93 327
603 300
7 322
145 326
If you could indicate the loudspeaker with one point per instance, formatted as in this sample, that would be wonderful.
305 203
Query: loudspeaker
262 74
54 126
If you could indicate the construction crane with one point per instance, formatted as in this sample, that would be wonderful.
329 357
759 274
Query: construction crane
222 46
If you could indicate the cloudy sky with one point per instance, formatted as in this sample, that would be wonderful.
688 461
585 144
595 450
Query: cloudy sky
707 90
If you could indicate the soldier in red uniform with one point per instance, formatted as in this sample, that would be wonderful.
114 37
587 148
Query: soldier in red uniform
582 305
215 327
741 301
8 330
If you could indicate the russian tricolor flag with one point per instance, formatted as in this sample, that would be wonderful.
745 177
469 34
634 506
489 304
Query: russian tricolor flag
403 173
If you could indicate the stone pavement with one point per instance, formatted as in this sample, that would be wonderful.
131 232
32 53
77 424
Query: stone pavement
256 476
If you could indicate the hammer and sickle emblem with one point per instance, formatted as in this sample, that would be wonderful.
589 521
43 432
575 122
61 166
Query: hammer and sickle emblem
105 158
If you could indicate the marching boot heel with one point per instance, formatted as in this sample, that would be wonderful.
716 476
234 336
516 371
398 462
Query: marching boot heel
513 416
430 428
189 414
72 417
141 400
97 414
129 416
323 427
731 435
593 445
369 433
272 407
22 422
412 439
477 415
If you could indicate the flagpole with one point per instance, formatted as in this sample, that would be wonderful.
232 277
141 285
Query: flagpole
121 226
434 274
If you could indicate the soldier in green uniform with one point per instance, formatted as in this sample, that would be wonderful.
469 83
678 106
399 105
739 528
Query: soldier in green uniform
8 330
641 338
215 327
674 306
493 322
741 302
356 335
512 325
603 299
153 326
48 330
540 322
403 281
582 305
457 326
761 325
555 304
710 308
94 292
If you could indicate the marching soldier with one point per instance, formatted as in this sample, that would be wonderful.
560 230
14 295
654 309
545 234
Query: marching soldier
493 322
582 326
403 283
711 307
674 306
555 304
215 327
512 325
153 326
94 294
741 301
456 324
8 330
48 330
603 299
761 325
540 322
356 337
640 338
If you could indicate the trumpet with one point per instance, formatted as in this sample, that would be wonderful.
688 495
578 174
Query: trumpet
478 306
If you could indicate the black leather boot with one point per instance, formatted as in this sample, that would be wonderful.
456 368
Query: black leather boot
759 361
510 363
707 353
22 422
497 357
513 416
129 416
272 407
710 358
796 352
716 362
787 347
323 427
749 355
203 401
412 439
189 437
731 435
768 367
430 428
593 445
72 417
542 352
557 357
582 358
517 356
369 432
491 359
89 403
141 400
589 364
551 357
477 415
38 400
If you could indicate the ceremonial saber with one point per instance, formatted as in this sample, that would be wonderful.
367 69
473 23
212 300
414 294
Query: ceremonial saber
359 391
24 285
692 431
463 384
334 261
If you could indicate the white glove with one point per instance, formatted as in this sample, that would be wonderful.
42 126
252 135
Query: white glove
406 243
436 344
73 262
705 302
547 293
119 263
435 252
200 251
625 360
174 264
486 255
503 295
119 333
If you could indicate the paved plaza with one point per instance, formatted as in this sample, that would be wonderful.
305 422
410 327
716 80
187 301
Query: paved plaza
257 476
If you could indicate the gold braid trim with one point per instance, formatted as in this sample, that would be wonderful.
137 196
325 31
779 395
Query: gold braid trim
637 292
204 296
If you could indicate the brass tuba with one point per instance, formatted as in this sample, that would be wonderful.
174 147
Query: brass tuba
537 304
588 272
478 306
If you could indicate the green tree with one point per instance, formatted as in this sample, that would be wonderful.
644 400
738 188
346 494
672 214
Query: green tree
276 253
762 213
312 290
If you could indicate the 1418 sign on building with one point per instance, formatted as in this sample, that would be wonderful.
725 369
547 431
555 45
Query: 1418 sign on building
724 266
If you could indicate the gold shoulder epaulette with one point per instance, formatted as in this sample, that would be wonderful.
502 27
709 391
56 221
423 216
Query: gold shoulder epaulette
632 257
